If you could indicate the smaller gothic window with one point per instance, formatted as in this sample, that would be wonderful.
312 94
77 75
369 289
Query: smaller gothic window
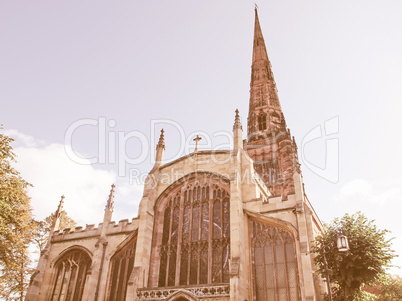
274 263
121 266
71 272
262 122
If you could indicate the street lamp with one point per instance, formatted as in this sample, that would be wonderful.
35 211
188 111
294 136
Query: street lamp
343 246
342 243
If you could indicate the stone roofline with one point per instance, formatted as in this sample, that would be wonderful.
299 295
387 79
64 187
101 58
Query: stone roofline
206 152
122 227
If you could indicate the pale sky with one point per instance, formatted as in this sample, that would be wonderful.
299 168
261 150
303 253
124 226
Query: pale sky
132 64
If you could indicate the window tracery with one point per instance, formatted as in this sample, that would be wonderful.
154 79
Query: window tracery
274 263
121 266
71 272
194 247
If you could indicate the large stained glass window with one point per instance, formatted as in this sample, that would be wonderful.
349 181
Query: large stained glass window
71 272
121 266
194 246
274 263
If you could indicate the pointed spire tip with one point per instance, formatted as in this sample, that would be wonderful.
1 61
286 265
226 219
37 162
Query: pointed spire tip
109 204
161 142
237 123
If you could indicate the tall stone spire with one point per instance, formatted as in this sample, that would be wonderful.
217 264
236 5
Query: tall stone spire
269 142
265 113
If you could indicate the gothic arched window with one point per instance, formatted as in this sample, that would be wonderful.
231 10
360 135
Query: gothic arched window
121 266
262 122
274 263
194 234
71 272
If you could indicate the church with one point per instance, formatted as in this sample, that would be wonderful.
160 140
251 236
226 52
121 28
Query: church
212 225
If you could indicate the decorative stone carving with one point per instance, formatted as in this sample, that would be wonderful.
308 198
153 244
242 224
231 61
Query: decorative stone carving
201 292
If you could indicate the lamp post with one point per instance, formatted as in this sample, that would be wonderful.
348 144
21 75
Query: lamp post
328 272
343 246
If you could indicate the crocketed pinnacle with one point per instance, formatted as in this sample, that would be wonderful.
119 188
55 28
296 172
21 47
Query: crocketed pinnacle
237 123
60 207
161 142
110 201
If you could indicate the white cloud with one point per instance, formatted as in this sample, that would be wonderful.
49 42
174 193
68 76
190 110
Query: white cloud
23 139
53 174
86 188
375 192
379 200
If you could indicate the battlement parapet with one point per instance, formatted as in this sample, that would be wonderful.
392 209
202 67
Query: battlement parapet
123 226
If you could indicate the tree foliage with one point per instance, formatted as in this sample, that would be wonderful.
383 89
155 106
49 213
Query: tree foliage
16 228
369 255
390 288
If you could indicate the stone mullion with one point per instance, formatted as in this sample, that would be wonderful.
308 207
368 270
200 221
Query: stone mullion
275 272
286 268
253 260
123 288
199 238
75 281
221 238
69 276
110 284
179 240
210 235
84 276
61 284
117 283
296 271
265 272
67 282
168 244
190 235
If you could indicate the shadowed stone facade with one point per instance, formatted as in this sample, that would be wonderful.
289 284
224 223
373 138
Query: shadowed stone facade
221 225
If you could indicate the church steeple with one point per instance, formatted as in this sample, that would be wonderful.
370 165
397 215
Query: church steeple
265 113
269 142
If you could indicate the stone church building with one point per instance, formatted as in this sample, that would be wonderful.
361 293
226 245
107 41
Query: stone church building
235 225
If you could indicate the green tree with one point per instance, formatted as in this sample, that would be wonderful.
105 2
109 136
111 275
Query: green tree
15 225
369 255
390 288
